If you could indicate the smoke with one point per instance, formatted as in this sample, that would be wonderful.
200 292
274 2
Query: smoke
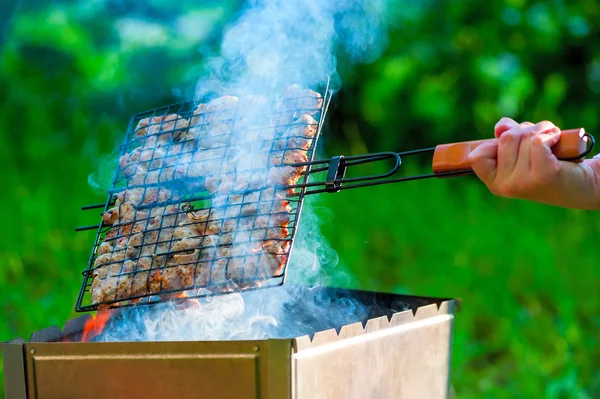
272 45
298 308
101 179
277 42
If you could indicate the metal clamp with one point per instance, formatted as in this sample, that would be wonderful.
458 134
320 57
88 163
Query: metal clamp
336 168
335 173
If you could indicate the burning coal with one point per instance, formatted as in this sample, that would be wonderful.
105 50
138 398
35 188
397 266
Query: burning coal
275 47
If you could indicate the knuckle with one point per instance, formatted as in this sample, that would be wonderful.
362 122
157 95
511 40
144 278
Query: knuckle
537 140
473 158
516 188
544 125
529 135
509 137
525 124
506 189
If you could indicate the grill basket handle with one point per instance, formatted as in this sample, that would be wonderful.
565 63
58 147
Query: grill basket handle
573 146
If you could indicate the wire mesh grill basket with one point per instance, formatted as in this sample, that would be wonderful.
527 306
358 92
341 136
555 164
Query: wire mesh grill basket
203 199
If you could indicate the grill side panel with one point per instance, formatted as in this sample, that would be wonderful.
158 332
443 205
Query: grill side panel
15 385
219 370
406 358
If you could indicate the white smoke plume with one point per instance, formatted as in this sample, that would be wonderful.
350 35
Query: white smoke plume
274 44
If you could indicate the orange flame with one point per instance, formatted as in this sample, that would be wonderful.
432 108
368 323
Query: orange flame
95 325
183 301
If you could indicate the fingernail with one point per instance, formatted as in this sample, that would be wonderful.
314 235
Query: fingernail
597 156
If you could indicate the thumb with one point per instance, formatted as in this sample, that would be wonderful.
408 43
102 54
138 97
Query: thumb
483 161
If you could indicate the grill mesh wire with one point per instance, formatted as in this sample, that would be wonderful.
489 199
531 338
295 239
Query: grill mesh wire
193 210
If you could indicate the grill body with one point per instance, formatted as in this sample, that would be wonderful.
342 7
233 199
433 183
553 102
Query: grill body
392 354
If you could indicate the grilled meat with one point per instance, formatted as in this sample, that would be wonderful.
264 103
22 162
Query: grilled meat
304 100
161 129
296 102
298 136
144 195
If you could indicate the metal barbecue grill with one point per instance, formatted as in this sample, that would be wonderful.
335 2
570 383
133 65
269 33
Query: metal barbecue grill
188 169
207 198
397 346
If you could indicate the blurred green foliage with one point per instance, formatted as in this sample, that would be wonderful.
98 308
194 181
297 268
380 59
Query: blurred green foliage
72 73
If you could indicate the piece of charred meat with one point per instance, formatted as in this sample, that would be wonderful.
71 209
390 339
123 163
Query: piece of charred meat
296 102
298 136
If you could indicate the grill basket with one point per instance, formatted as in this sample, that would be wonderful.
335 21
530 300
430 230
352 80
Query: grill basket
201 202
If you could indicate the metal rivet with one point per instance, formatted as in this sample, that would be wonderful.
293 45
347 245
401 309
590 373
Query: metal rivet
32 351
256 349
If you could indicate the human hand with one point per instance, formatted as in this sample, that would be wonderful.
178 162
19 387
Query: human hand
520 164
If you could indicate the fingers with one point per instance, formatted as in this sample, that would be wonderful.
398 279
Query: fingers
506 124
534 140
483 162
520 162
544 165
521 154
515 145
508 152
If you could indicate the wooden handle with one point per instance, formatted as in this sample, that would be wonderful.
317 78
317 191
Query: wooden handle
455 156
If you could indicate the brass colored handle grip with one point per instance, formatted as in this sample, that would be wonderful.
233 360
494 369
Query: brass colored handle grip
455 156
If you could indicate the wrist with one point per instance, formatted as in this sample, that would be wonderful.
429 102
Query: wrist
578 185
594 165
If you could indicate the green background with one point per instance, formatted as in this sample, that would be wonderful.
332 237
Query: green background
72 73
